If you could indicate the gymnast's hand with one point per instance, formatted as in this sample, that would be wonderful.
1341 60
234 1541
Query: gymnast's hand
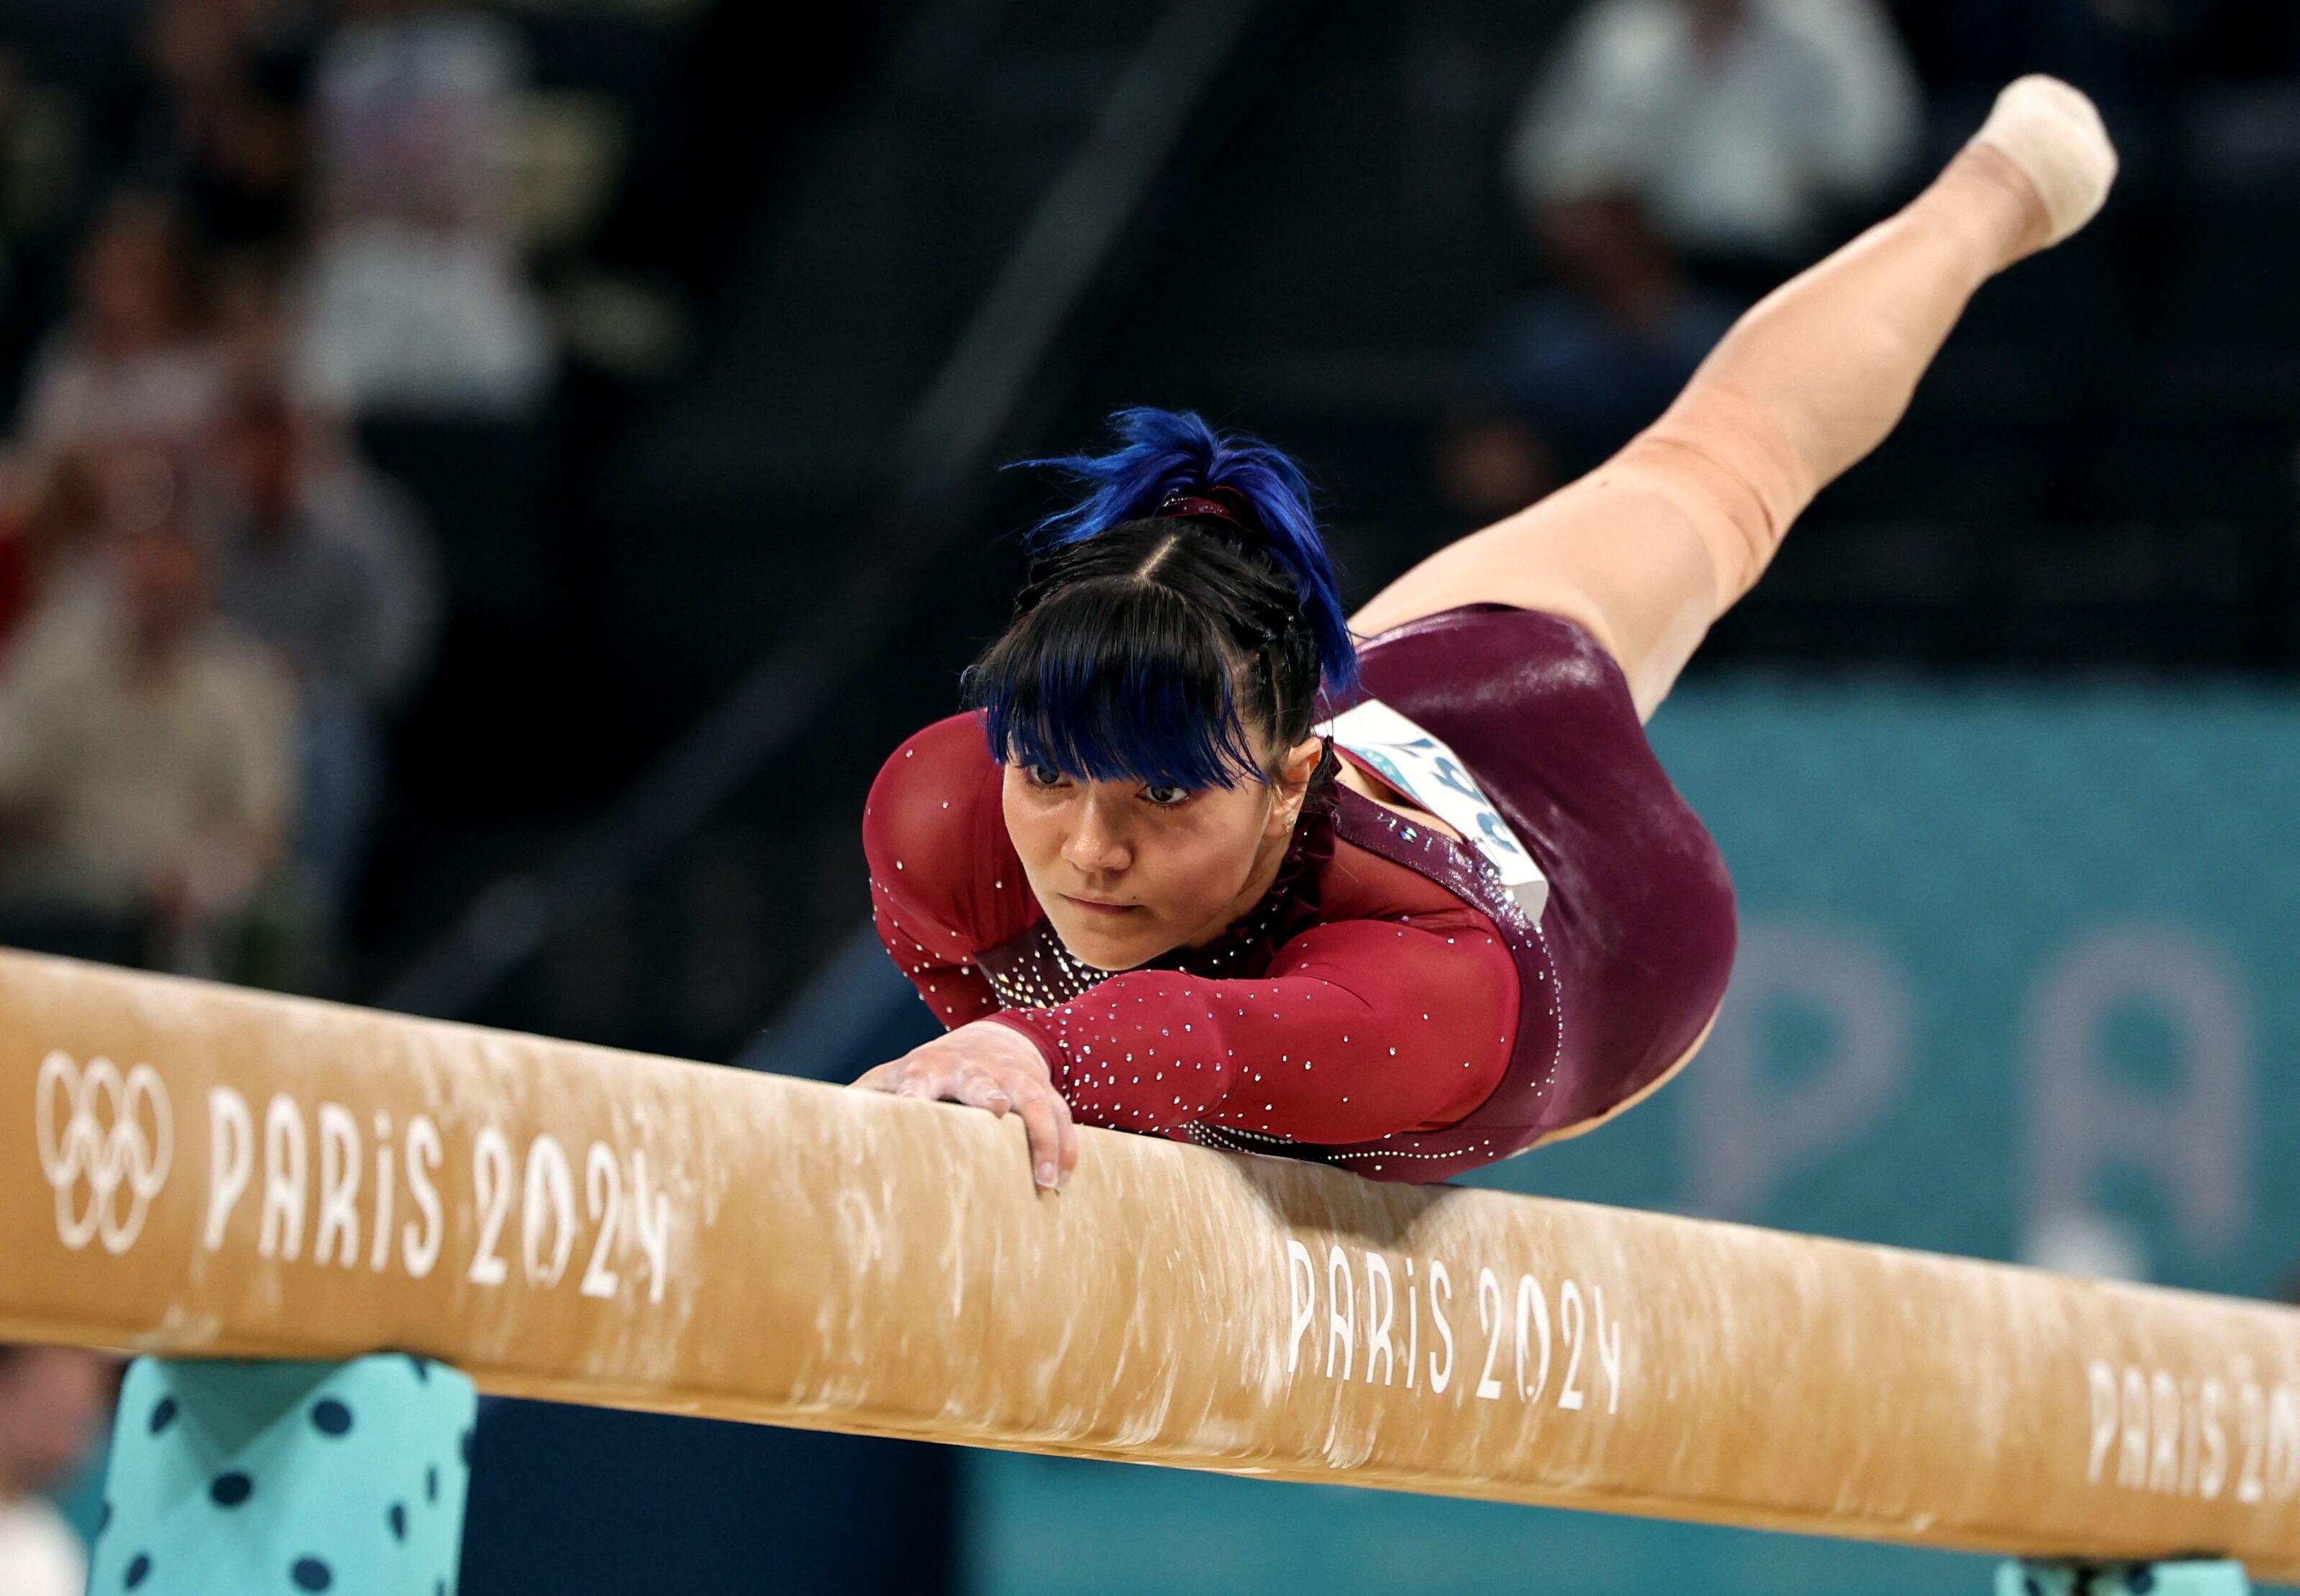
990 1066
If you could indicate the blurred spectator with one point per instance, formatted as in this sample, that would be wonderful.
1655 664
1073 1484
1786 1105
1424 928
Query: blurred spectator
1674 150
1737 126
49 527
147 768
222 123
42 205
52 1400
328 564
417 299
1573 371
136 360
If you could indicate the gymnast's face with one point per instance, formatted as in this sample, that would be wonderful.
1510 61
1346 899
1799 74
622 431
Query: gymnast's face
1127 872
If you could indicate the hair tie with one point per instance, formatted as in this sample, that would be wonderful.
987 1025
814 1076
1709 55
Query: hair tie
1223 504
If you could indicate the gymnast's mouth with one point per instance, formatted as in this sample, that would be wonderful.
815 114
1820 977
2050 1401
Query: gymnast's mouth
1097 906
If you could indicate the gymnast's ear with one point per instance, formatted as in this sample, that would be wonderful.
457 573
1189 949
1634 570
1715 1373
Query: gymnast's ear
1302 761
1295 770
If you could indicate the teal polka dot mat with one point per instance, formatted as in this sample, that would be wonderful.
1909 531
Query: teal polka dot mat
256 1478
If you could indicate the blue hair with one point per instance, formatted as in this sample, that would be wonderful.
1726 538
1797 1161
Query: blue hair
1146 645
1117 684
1163 452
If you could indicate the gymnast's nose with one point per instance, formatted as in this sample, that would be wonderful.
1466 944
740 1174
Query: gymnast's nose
1097 843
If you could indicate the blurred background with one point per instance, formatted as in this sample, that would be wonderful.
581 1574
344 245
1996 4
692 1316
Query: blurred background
484 486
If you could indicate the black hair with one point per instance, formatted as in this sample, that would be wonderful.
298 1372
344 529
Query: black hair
1144 646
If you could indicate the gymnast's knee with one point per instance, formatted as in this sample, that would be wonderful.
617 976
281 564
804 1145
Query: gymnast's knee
1737 476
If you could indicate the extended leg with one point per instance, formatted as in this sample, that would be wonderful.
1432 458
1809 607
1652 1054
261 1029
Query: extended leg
1650 549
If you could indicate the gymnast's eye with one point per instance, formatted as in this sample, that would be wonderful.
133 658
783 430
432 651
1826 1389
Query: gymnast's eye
1043 775
1167 797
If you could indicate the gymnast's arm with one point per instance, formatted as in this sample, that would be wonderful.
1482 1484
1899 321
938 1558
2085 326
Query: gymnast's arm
983 1065
931 957
944 882
1361 1028
943 879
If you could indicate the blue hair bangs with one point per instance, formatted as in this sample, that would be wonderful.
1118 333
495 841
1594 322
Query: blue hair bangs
1088 699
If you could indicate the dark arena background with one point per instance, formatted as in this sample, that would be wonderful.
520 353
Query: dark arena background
632 380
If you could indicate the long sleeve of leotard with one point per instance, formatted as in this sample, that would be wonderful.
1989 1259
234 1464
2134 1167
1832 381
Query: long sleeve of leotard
953 988
1398 1016
1361 1028
944 880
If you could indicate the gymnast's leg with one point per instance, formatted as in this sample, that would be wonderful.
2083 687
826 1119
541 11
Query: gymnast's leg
1650 548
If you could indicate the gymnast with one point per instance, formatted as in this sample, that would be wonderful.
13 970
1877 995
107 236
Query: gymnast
1408 892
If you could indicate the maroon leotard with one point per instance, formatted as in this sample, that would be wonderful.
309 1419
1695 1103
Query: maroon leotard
1386 1007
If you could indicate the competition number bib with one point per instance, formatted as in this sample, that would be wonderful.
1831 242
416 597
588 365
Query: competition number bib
1433 777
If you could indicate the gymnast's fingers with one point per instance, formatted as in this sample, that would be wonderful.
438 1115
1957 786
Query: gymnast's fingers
917 1074
925 1074
980 1088
883 1078
1044 1114
1066 1146
1070 1138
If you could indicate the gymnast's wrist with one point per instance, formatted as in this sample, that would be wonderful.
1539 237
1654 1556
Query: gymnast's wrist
1047 1057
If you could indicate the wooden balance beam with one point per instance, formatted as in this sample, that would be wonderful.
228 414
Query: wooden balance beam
200 1171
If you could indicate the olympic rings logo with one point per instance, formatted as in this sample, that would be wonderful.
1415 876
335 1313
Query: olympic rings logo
91 1126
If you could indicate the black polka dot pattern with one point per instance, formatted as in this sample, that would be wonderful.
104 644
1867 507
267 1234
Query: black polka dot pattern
192 1485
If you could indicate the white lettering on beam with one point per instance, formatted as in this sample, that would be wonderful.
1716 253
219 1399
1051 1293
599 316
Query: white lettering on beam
2155 1433
1518 1331
353 1191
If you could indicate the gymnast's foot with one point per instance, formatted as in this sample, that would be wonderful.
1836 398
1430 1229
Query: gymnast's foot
2051 137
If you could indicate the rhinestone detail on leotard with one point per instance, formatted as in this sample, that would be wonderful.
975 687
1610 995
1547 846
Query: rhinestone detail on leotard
1035 970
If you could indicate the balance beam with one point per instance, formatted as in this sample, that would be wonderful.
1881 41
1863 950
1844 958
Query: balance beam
201 1171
